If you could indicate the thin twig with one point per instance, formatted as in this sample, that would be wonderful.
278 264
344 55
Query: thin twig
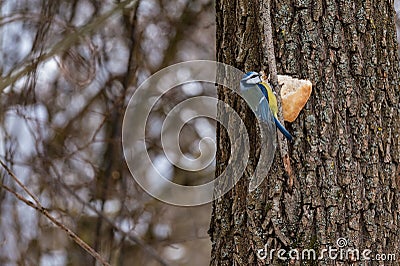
46 213
19 182
146 248
62 45
268 44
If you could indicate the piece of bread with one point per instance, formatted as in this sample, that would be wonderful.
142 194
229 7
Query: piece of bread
294 94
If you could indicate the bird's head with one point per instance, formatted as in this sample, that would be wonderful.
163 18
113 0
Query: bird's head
250 79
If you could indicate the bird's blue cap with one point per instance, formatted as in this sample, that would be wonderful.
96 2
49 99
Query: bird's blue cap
250 73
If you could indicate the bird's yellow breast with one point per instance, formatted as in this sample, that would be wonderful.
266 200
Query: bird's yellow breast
271 99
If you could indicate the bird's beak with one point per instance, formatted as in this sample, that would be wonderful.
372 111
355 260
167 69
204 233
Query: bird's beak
263 76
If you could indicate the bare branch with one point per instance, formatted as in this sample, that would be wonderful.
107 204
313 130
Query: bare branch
45 212
129 235
268 45
62 45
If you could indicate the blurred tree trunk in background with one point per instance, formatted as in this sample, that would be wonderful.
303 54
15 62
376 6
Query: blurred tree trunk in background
346 151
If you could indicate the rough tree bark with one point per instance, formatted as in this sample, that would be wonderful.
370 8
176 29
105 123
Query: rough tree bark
346 153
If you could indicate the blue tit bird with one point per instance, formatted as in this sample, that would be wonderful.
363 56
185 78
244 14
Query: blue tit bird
262 100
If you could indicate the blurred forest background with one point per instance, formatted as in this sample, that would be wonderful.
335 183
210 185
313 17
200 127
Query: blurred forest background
68 70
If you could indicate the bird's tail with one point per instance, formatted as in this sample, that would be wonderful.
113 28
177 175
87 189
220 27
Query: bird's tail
283 129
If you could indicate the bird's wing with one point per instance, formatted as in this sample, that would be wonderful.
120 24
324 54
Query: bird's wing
265 113
268 143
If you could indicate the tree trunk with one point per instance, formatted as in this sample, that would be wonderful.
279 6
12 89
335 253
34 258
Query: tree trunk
346 151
